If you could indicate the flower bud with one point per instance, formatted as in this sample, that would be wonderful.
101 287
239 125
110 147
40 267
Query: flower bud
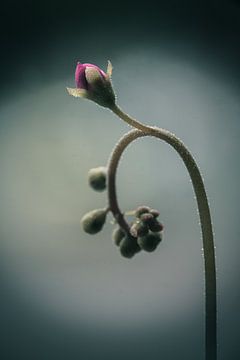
94 84
141 210
149 242
146 218
97 178
93 221
117 235
155 225
155 213
139 229
129 247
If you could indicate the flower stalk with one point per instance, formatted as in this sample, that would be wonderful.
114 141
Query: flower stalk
203 208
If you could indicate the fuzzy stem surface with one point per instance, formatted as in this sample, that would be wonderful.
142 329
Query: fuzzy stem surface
203 209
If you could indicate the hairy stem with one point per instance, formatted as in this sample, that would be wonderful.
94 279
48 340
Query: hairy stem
203 208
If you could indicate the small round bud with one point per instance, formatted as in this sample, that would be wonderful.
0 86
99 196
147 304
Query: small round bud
93 221
149 242
129 247
155 225
155 213
146 218
139 229
97 178
117 235
141 210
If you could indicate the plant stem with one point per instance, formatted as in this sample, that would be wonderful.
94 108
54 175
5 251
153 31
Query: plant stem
203 208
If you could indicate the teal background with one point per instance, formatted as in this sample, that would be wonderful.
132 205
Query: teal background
67 295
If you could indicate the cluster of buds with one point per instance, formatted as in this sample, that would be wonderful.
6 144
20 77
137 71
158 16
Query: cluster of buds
145 233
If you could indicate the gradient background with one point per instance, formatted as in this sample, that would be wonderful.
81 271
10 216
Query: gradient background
67 295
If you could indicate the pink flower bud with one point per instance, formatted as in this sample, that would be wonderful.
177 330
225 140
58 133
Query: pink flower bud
80 76
94 84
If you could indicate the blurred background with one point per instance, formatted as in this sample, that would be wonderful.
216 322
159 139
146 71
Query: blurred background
68 295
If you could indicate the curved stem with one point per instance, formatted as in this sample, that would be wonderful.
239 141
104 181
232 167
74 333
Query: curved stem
203 208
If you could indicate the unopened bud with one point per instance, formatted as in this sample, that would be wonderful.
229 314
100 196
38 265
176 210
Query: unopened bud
117 235
149 242
139 229
142 210
97 178
146 218
94 84
155 213
129 247
155 225
93 221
